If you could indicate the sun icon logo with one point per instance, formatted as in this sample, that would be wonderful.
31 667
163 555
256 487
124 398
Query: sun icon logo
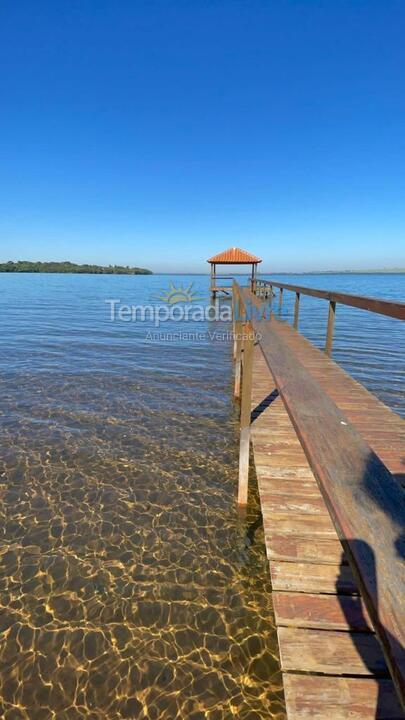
178 295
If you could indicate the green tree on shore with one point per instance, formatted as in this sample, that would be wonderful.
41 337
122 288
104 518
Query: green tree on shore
22 266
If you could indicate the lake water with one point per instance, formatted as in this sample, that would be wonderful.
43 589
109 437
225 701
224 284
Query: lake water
130 586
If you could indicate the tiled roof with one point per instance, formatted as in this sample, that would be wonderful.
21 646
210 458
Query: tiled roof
234 256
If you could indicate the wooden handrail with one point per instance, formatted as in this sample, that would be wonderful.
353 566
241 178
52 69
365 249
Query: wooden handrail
382 307
364 500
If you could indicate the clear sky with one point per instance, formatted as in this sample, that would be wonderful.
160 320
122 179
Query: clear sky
157 133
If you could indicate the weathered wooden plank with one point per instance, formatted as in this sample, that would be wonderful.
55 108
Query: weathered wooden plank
274 460
326 612
291 548
288 473
330 652
299 524
277 486
294 503
310 697
312 578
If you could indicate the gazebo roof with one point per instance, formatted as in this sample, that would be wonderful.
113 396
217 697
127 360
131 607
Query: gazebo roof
234 256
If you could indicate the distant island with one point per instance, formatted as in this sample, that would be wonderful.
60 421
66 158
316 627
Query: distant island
25 266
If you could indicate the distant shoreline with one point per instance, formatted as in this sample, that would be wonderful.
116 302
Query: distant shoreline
27 266
306 272
340 272
398 271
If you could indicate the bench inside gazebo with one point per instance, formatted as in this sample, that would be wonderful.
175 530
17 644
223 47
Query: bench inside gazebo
232 256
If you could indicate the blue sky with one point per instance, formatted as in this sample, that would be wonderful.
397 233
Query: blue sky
157 133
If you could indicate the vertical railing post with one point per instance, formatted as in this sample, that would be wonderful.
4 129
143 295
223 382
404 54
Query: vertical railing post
234 305
237 343
280 299
296 310
245 413
330 329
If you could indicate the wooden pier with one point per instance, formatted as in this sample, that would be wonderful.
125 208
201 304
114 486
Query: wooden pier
330 461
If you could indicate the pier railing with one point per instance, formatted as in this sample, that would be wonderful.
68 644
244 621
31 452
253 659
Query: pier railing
365 502
264 288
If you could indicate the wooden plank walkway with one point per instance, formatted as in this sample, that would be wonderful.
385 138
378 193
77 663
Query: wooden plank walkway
323 626
383 429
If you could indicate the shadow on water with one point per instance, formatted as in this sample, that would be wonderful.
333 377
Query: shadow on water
251 529
353 610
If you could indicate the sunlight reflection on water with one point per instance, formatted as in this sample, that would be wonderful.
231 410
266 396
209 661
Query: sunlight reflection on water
130 587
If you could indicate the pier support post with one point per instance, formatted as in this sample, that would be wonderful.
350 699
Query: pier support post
238 358
331 325
296 310
237 339
245 413
234 291
280 299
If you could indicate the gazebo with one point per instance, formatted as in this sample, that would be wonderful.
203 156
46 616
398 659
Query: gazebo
233 256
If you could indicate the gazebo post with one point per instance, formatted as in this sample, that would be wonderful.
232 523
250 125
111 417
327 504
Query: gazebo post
253 280
213 281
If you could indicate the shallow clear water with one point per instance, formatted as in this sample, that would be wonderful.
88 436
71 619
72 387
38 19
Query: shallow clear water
130 587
